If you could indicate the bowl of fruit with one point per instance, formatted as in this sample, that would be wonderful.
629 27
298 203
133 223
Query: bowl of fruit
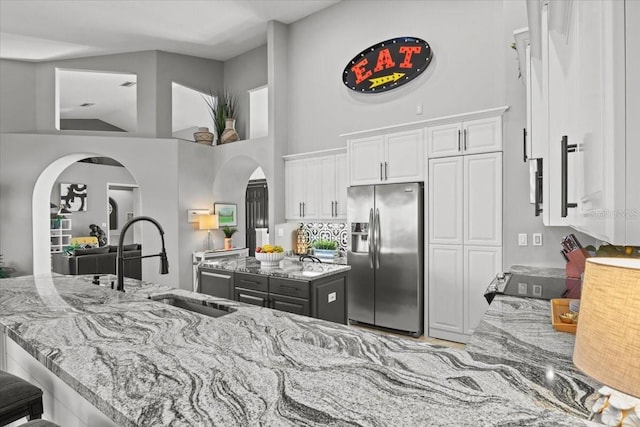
269 255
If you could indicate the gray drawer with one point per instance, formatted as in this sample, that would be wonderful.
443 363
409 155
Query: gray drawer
293 288
252 281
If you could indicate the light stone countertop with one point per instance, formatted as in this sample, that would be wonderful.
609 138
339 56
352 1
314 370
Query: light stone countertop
154 364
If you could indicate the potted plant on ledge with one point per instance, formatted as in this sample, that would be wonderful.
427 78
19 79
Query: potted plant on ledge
228 232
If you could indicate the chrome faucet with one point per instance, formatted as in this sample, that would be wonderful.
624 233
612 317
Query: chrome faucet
164 263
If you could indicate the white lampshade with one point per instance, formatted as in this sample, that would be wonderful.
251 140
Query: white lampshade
208 222
607 344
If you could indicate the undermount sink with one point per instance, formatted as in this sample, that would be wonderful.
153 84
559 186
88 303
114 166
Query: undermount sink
202 307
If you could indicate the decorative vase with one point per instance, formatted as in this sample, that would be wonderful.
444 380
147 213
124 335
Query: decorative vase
228 243
203 136
229 134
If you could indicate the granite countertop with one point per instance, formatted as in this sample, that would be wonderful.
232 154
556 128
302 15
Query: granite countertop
288 268
527 270
154 364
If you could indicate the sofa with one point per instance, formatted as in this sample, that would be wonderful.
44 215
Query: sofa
100 260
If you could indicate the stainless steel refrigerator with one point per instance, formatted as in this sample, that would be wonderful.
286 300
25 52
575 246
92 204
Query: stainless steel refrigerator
386 256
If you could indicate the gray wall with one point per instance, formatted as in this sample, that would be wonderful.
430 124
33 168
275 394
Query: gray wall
466 73
95 177
124 200
18 100
242 73
200 74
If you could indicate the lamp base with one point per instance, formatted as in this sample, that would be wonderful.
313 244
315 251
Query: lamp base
614 408
207 245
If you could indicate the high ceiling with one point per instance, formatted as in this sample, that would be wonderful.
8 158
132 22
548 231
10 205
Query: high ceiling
44 30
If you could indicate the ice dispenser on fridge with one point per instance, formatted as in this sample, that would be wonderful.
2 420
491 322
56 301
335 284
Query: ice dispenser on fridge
360 237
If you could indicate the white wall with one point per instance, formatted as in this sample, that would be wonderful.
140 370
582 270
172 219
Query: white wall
95 177
18 99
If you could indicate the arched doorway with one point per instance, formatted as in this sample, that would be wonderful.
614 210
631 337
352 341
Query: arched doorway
48 191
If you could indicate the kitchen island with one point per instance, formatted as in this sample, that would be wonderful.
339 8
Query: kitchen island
142 362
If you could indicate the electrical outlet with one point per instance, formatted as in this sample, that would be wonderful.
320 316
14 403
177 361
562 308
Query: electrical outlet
522 288
418 109
280 232
331 297
537 239
522 239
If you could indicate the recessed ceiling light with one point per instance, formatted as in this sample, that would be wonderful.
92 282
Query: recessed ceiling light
87 104
128 84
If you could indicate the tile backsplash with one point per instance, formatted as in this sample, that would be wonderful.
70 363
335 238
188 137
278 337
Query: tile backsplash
336 231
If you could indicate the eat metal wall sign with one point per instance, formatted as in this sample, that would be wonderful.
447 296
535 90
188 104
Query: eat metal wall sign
387 65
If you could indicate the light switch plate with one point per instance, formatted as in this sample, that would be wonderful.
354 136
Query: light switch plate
522 239
537 239
192 214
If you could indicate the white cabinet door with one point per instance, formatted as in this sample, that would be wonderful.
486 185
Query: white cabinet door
327 184
483 199
446 200
481 264
295 183
446 290
311 196
302 192
444 140
342 183
482 135
366 160
404 157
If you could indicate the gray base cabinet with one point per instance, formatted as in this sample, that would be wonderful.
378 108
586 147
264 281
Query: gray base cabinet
217 283
324 298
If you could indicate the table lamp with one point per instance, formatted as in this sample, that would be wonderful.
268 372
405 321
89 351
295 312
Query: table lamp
208 222
607 346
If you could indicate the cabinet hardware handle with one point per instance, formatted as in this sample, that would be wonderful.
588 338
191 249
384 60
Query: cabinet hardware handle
524 143
465 140
303 209
380 171
459 141
336 208
538 189
300 209
332 209
565 150
386 175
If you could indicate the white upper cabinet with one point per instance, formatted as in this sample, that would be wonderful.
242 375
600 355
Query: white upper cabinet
366 157
404 157
316 187
333 187
301 195
385 159
444 140
468 137
590 92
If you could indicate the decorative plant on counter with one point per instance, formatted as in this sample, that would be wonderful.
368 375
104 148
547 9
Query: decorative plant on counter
325 244
228 231
221 108
5 271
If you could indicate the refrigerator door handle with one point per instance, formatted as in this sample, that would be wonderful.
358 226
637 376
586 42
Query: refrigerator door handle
377 238
371 234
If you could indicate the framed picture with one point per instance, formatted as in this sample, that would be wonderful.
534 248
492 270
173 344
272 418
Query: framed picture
227 214
73 197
